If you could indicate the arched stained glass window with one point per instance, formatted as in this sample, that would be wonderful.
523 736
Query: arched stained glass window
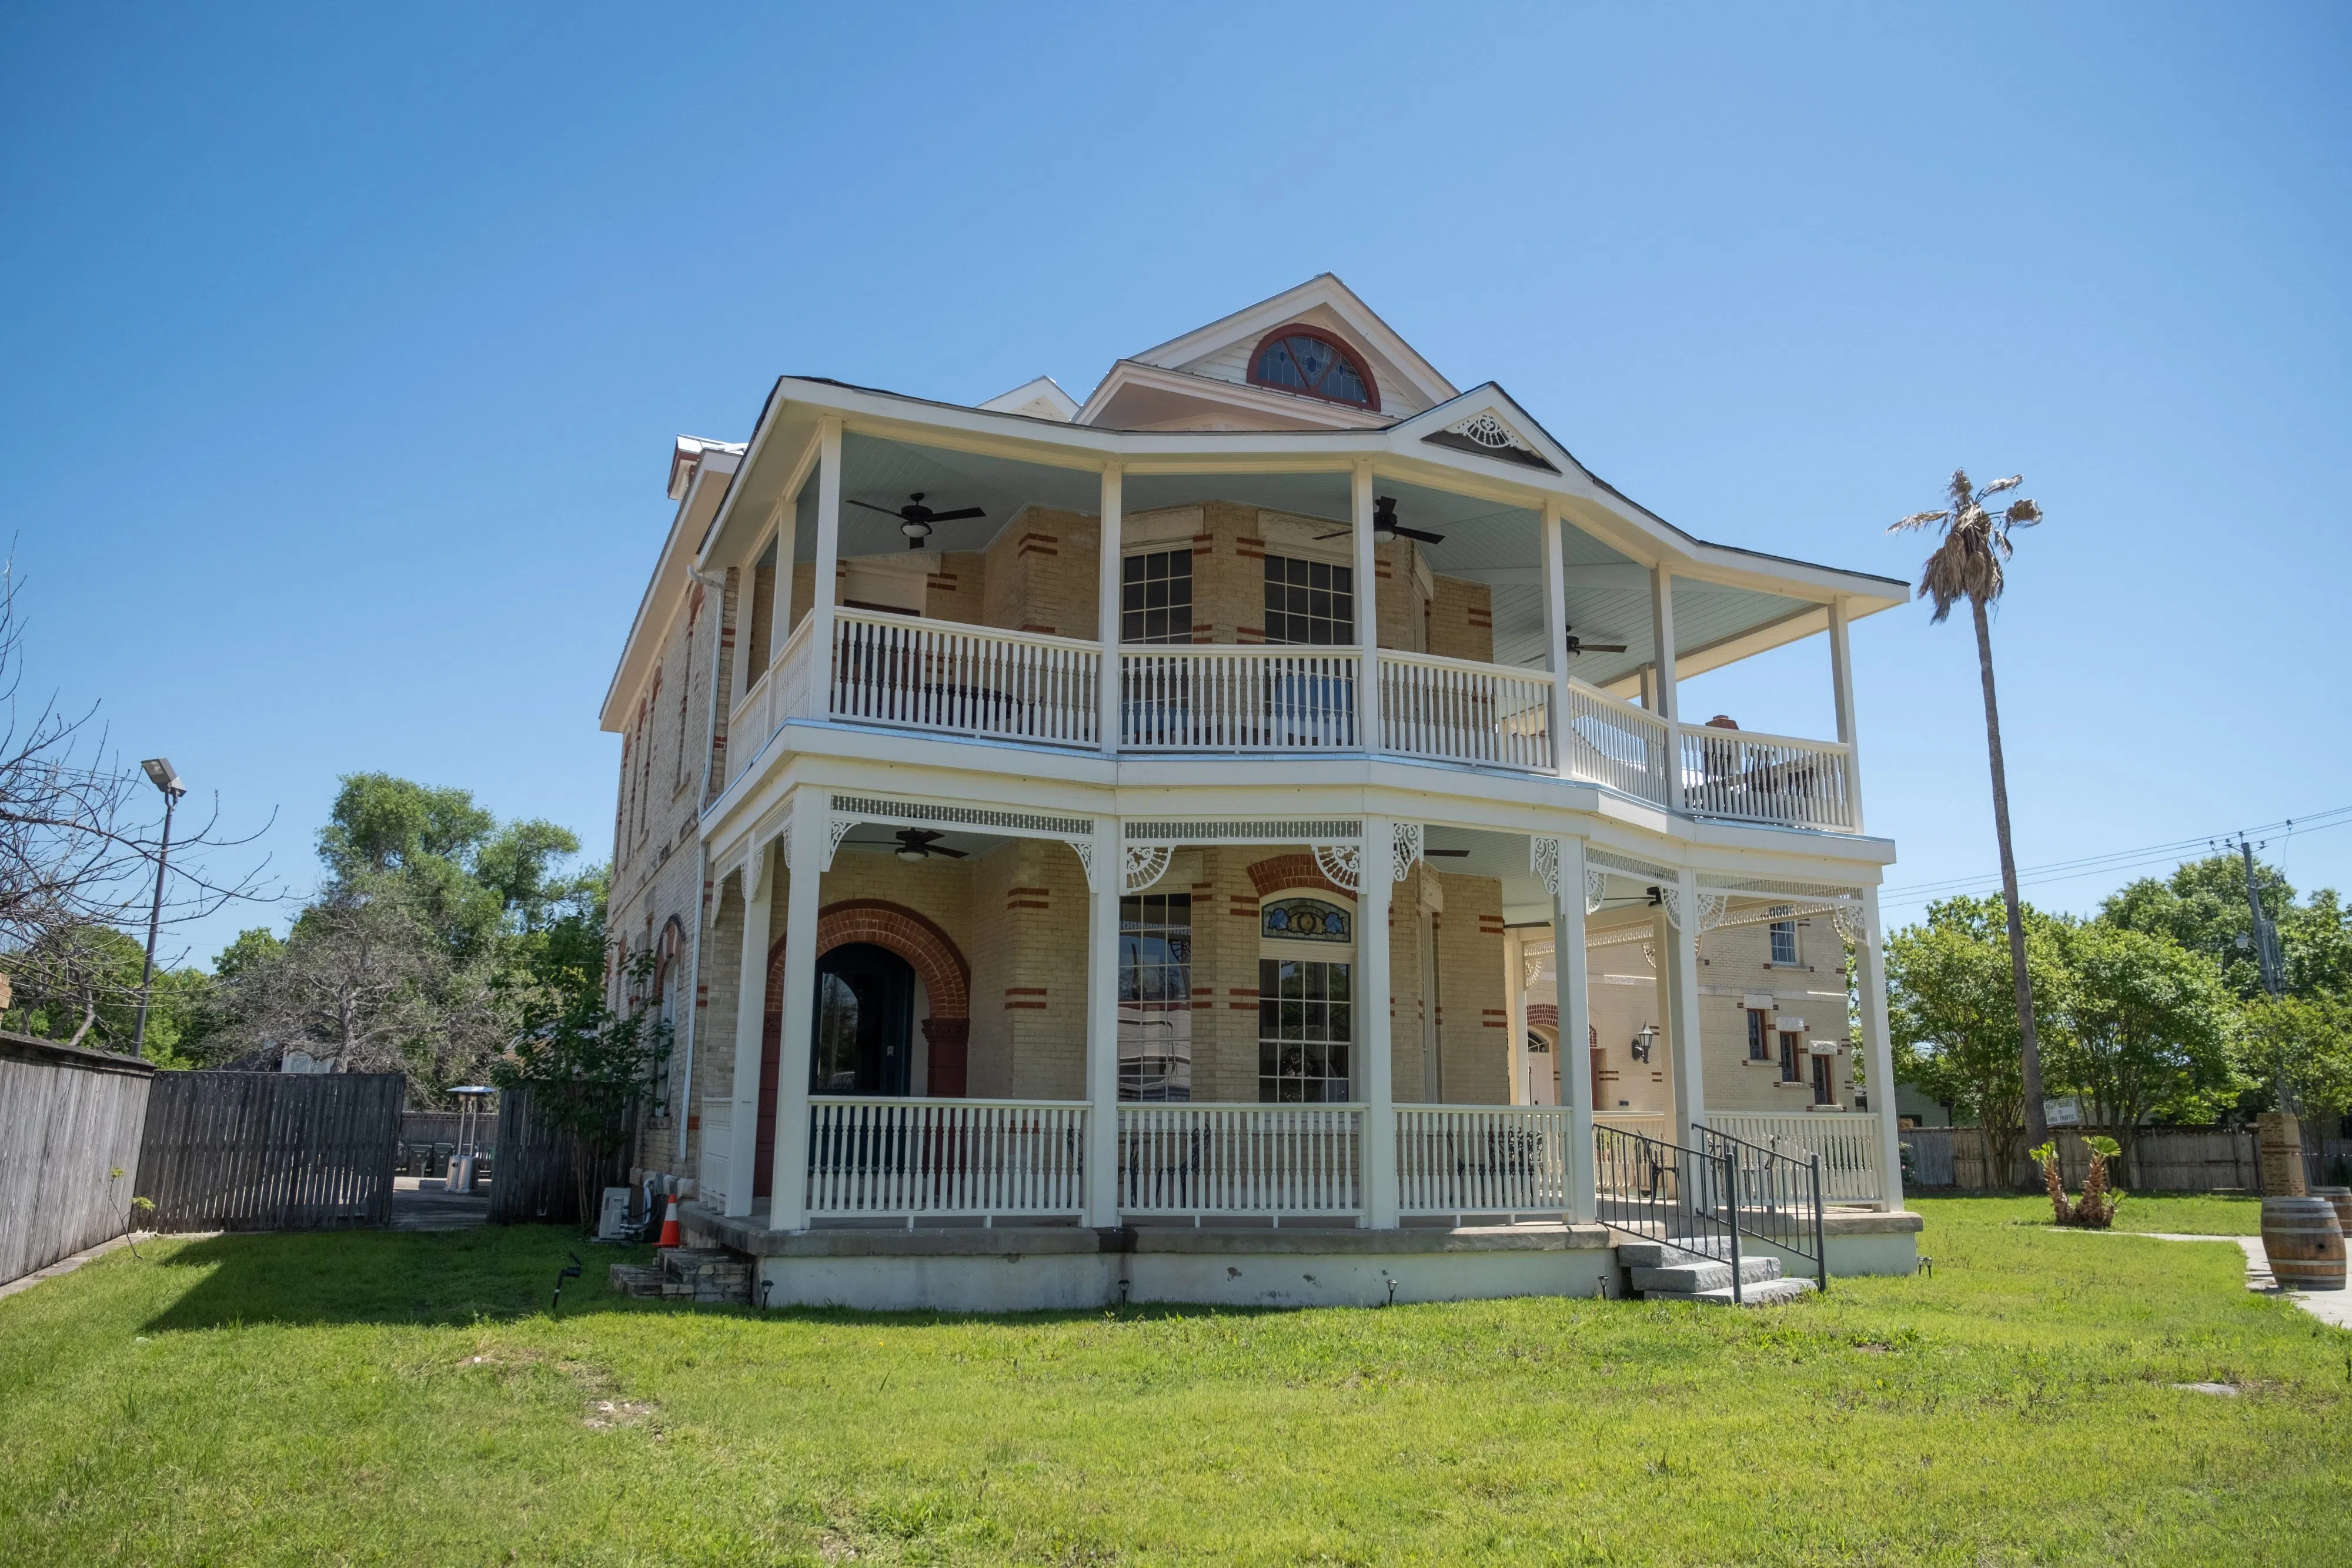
1302 362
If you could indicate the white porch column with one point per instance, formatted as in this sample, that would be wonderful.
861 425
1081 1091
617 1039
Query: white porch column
1106 606
1661 694
1569 983
1556 639
1661 628
1842 686
751 1018
1870 969
1374 880
810 845
1681 972
1110 880
1514 1019
827 587
1368 631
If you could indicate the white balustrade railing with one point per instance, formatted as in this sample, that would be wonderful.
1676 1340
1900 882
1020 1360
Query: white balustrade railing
1237 699
906 1159
793 680
1465 712
1482 1159
748 728
1616 744
1847 1142
710 1176
1272 1160
1765 777
947 676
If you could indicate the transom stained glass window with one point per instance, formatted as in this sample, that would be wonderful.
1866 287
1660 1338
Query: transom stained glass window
1156 597
1308 920
1309 363
1309 602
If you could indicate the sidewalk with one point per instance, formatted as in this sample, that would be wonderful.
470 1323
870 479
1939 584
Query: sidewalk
2328 1306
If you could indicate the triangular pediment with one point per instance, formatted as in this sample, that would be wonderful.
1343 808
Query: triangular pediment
1219 355
1489 435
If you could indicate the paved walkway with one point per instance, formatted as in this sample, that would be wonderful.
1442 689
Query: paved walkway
418 1203
2327 1306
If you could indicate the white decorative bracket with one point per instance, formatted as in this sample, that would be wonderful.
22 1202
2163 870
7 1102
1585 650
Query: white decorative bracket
1848 914
836 828
1085 851
1670 895
1340 863
1596 888
1405 851
1532 964
1543 863
1711 907
1146 865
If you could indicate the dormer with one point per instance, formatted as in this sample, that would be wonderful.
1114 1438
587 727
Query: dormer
1313 358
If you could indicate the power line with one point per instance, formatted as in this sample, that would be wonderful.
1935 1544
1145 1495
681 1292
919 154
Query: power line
2120 860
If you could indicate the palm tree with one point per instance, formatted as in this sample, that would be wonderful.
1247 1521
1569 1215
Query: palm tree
1967 565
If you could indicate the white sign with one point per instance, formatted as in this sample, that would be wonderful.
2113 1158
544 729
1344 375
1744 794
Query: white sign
2066 1113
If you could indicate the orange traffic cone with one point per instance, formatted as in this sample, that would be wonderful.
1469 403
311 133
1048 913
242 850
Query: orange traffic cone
669 1236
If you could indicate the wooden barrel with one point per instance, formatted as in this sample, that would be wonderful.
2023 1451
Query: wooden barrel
2304 1242
2341 1197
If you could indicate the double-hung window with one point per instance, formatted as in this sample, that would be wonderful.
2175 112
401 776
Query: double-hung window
1309 602
1155 997
1760 1035
1793 1055
1784 937
1155 602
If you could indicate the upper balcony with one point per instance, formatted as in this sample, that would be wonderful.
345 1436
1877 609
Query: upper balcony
1292 593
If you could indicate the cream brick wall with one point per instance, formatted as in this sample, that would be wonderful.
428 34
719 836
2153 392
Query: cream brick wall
1736 961
1028 972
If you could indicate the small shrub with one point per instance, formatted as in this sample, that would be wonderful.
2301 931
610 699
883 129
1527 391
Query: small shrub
2096 1209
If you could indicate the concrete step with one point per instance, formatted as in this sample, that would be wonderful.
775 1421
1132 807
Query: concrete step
1687 1278
1663 1255
1768 1292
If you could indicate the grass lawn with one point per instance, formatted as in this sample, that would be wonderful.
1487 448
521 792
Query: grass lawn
407 1400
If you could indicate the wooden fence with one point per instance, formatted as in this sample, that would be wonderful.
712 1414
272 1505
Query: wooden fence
534 1184
2165 1159
70 1128
269 1151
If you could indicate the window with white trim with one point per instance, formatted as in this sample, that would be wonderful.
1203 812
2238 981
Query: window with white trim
1155 997
1784 937
1306 1001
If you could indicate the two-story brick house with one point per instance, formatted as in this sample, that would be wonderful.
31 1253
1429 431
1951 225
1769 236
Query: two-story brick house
1152 855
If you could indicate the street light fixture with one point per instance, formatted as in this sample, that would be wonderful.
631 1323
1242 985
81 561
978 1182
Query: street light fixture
161 773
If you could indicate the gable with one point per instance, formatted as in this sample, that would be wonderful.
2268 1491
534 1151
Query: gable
1489 435
1229 362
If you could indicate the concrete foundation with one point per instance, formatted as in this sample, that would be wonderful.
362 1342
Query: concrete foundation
1010 1269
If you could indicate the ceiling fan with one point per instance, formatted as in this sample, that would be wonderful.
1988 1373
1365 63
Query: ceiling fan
1577 644
915 519
912 845
1385 526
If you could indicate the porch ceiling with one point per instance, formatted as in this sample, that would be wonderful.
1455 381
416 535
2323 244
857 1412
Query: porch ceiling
884 473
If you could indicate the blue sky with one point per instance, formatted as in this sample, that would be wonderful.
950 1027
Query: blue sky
344 348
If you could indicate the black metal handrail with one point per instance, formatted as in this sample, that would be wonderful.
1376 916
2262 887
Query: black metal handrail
1776 1196
1668 1192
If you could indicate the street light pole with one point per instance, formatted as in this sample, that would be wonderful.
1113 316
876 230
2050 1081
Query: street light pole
159 771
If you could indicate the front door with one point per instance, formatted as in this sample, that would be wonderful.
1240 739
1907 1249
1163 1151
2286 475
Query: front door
864 1029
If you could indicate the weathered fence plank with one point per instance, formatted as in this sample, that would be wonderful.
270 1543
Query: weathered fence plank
533 1184
70 1118
268 1151
2164 1159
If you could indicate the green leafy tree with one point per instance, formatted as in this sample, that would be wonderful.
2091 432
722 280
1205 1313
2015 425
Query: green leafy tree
2150 1031
1952 1012
2304 1042
589 1067
2201 905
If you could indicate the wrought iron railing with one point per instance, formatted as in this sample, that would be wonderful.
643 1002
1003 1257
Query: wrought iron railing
1775 1196
1663 1192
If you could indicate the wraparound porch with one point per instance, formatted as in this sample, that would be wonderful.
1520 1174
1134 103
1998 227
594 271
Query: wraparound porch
908 1163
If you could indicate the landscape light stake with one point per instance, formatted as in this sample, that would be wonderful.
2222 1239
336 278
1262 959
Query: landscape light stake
555 1303
159 771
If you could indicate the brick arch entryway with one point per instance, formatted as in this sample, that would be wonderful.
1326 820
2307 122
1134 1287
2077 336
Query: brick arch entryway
947 988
